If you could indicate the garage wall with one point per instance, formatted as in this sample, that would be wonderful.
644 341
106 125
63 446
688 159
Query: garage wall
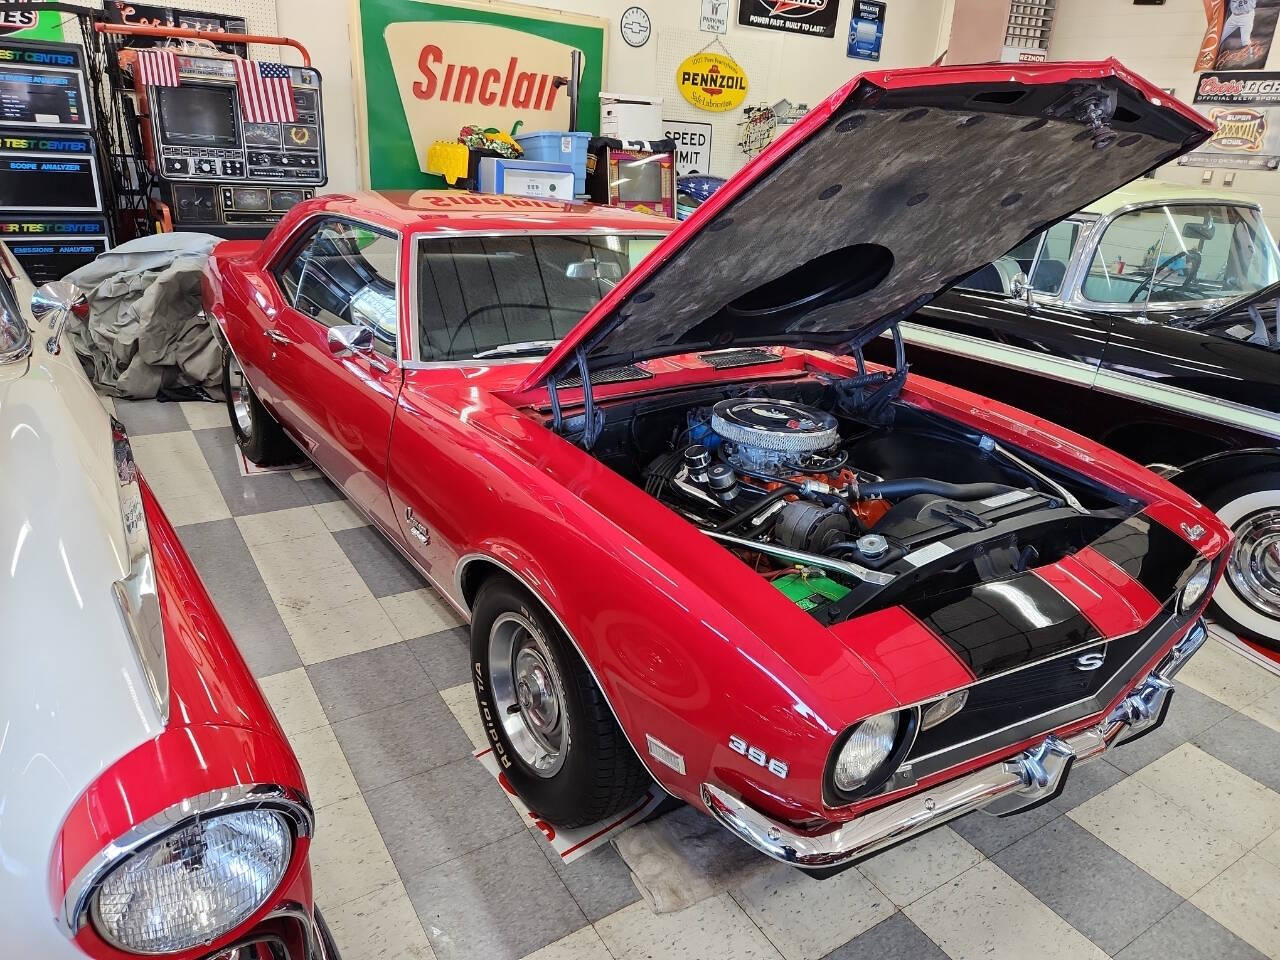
802 69
1161 44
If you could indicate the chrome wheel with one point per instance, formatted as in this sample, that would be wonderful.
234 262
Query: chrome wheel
529 693
1254 564
239 394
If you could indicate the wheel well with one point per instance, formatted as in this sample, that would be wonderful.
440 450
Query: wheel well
1202 478
1151 443
474 574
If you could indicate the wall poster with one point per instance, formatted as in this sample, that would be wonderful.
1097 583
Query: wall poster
31 25
1243 107
866 30
1238 34
426 68
814 18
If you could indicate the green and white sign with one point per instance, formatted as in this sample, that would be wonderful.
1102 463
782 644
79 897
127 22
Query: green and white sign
31 25
431 67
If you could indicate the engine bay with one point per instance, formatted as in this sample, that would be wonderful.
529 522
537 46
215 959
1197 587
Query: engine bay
844 516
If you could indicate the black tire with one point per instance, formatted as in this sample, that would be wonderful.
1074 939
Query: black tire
326 937
1249 505
261 438
599 774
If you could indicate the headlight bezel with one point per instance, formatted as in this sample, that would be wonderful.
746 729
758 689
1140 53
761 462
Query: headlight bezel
908 728
1204 570
291 804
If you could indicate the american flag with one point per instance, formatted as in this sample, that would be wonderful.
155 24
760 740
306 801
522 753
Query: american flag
158 67
266 96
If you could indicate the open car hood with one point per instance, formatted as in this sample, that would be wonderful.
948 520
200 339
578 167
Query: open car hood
896 186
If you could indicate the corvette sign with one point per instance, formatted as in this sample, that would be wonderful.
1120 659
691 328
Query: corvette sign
814 18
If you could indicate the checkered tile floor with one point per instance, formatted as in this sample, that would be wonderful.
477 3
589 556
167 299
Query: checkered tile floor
1170 850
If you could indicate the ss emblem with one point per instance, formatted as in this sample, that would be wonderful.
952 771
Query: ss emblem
1091 660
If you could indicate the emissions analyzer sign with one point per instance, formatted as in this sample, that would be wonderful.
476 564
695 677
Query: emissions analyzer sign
693 145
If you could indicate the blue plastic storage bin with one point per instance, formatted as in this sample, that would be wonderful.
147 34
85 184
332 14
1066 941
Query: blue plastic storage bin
559 146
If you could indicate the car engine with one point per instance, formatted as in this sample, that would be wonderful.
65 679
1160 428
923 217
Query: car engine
806 497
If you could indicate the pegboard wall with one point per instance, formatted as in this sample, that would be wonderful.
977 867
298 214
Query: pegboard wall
260 16
758 57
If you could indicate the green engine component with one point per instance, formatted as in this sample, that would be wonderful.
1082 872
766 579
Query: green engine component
807 593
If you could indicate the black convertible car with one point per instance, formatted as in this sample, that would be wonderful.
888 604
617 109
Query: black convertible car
1148 322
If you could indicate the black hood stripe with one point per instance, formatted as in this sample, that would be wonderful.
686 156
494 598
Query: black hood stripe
1004 625
1149 552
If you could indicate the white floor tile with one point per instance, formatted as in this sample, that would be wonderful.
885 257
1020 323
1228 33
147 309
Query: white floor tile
1225 675
379 926
715 929
807 918
984 914
1269 849
1266 709
585 944
340 515
1243 899
180 477
1181 851
329 777
330 632
419 613
273 526
292 698
306 473
348 858
294 556
1212 791
462 704
910 870
202 415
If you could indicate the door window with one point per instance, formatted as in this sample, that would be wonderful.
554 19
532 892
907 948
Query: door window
1181 252
1042 257
345 273
488 297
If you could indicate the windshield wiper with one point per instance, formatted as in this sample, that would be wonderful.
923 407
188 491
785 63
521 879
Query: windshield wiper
515 349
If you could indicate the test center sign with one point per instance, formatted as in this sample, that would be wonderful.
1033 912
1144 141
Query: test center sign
431 67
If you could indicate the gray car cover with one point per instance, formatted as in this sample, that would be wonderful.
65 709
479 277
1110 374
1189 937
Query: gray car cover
146 329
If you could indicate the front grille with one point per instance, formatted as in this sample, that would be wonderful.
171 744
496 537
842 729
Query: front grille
610 375
1007 709
746 357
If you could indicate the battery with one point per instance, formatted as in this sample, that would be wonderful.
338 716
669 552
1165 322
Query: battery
809 592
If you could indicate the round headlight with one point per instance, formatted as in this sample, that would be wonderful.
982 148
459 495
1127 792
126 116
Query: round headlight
1194 589
193 885
866 748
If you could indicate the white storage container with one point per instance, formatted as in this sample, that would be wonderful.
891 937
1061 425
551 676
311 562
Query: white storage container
626 117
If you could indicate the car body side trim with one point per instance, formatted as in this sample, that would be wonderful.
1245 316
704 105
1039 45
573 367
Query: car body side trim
1108 381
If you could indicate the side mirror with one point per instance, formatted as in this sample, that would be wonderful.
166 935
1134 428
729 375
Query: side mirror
55 303
1020 287
349 339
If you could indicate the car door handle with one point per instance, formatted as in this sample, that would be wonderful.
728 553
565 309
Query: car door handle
276 336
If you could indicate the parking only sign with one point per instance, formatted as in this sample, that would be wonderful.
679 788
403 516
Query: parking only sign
693 145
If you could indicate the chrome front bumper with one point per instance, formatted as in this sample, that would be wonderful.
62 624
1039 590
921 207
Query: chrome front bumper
1032 777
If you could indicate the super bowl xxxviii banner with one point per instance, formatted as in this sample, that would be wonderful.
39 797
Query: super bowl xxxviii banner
1243 107
431 67
1238 34
814 18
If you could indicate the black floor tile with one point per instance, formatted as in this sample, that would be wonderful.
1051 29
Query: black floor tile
896 938
1188 932
378 562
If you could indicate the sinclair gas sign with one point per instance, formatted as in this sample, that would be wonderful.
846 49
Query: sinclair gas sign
431 68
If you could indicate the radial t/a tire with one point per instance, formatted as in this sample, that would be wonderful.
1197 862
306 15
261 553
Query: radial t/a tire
1247 600
551 730
258 434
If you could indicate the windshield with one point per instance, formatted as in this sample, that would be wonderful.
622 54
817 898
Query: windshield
1182 252
486 297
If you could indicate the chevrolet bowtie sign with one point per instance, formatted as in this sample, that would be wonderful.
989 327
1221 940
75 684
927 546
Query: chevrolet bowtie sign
430 68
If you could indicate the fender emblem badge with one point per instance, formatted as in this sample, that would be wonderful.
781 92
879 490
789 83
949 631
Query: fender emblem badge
1193 532
758 756
417 529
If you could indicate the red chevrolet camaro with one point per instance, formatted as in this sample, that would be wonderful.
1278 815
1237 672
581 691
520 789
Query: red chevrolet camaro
697 537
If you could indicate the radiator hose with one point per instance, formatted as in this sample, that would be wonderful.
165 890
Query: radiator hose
910 486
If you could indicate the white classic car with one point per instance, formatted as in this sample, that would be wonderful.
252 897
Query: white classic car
149 802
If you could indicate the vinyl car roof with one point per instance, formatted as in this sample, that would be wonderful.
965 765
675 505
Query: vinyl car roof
1159 191
461 211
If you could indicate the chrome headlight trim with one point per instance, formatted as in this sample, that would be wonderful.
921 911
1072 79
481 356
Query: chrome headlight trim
269 796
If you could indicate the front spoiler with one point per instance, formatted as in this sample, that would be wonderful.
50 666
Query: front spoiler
1035 776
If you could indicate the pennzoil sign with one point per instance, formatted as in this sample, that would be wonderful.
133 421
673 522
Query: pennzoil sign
1242 106
813 18
712 81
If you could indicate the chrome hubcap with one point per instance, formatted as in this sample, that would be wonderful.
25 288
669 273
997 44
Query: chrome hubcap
1254 564
529 693
239 396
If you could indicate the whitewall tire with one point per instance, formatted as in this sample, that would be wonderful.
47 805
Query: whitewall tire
1248 597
